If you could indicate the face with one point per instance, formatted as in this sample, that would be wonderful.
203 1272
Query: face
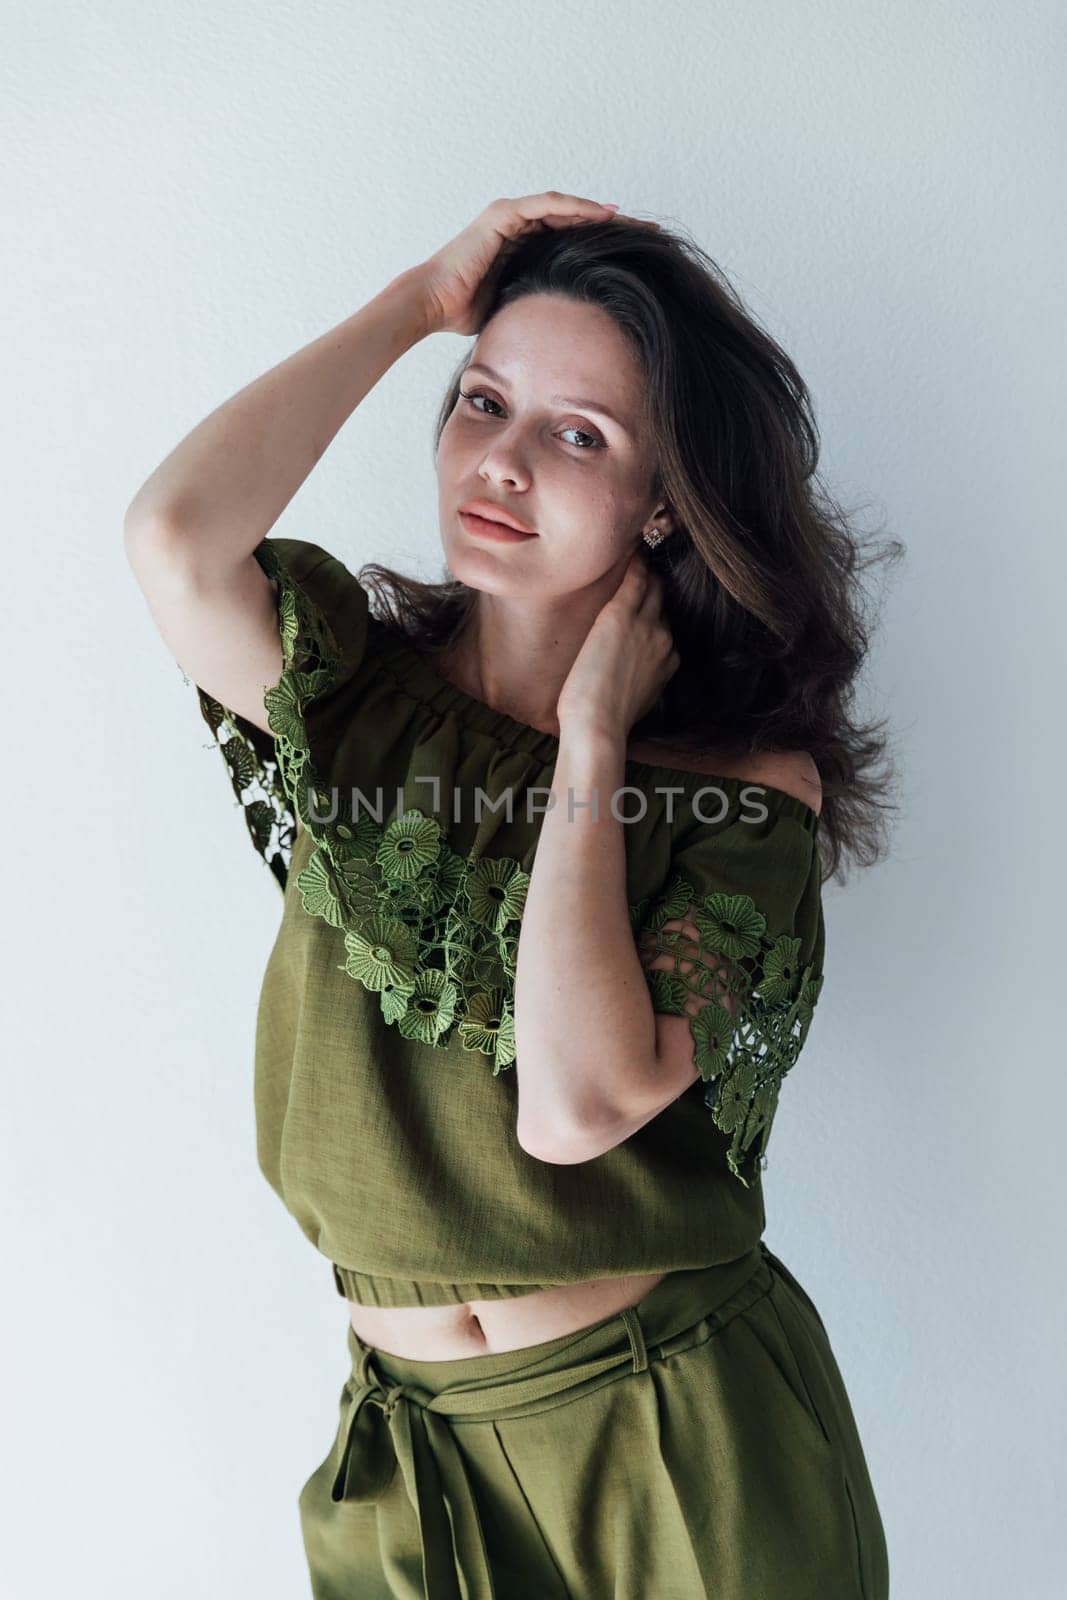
579 477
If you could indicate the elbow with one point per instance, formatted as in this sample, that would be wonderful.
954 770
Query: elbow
563 1135
558 1150
151 542
164 556
568 1144
155 529
549 1130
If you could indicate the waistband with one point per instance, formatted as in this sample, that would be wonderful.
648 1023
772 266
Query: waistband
370 1289
398 1412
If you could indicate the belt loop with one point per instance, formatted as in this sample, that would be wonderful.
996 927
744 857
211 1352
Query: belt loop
636 1337
363 1373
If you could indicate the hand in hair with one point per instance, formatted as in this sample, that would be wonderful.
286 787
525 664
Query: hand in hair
458 279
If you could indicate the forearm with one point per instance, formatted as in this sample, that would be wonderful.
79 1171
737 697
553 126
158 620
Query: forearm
585 1033
221 490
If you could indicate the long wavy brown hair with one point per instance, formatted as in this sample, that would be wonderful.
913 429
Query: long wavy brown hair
762 575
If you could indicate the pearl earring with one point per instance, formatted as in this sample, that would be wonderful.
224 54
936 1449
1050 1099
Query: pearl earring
654 537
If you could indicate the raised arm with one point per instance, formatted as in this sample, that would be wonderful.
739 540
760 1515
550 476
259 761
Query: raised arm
191 528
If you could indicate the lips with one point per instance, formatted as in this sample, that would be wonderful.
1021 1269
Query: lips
498 532
489 511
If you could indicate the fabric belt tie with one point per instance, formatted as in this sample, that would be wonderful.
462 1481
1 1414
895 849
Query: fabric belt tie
385 1424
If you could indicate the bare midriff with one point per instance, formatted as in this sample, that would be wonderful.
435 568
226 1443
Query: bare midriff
481 1327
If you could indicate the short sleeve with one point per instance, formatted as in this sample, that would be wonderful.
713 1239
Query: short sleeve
735 942
322 624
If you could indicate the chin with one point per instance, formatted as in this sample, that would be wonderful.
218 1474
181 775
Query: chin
488 574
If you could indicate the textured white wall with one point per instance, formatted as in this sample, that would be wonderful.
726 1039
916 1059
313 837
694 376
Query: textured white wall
191 192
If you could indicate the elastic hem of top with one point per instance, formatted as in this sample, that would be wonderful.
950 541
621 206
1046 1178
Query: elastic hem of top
413 674
368 1290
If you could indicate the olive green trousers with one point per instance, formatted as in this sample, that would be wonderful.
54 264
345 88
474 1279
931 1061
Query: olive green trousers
699 1444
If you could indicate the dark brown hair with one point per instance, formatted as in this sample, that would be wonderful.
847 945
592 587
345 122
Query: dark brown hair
761 574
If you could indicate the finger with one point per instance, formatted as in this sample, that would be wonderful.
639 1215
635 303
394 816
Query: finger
648 597
558 210
581 205
568 221
552 203
650 603
632 583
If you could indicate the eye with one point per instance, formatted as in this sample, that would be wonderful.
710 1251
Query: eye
595 443
476 394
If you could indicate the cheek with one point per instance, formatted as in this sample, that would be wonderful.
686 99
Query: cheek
445 446
589 547
600 511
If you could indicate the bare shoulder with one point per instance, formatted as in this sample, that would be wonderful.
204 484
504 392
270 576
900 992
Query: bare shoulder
793 771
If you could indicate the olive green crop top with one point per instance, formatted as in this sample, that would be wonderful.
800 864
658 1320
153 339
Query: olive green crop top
385 1098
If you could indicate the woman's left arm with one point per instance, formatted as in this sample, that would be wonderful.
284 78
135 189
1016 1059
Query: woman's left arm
585 1031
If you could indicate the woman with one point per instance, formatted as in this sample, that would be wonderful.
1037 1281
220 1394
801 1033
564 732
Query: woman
620 729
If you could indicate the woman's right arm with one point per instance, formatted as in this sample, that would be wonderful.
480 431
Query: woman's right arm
192 526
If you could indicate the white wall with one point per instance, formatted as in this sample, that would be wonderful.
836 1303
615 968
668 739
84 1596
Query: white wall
190 193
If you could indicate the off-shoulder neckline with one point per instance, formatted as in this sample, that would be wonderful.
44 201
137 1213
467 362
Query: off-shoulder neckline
415 675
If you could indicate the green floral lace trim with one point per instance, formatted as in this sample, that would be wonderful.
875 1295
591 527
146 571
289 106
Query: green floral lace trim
268 815
435 935
748 1001
312 662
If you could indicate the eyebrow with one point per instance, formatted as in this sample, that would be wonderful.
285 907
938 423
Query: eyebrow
557 399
